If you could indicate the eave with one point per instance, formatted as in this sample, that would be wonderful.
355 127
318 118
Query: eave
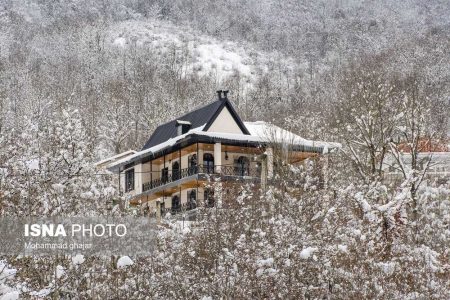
192 138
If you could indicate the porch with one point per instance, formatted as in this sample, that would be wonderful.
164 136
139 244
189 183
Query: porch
176 176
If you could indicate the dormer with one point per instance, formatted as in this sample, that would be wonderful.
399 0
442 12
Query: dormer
183 126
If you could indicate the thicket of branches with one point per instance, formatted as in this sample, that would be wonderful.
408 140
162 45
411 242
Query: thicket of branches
373 77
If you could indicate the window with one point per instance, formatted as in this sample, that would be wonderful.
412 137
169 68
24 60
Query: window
242 166
176 204
192 164
175 171
209 197
165 175
208 163
192 199
129 180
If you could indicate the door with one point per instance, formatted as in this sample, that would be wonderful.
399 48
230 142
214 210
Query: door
192 199
208 163
242 166
192 164
176 204
175 171
164 175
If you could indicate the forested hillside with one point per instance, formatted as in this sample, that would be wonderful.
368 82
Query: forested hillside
84 80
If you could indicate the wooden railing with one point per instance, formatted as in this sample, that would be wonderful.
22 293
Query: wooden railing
209 169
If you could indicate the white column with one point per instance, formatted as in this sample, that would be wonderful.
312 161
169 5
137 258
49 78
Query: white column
218 156
200 157
269 152
138 179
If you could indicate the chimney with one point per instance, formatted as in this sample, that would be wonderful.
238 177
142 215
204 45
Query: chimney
224 97
219 94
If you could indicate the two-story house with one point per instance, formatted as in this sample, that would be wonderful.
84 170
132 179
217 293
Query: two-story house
174 168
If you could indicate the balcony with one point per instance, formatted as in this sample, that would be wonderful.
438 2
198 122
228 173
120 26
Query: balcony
228 171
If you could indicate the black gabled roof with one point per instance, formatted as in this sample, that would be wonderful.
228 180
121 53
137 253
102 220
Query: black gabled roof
203 115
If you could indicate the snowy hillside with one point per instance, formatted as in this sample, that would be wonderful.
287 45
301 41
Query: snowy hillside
202 54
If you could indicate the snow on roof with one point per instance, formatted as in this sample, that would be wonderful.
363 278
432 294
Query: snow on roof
260 132
168 143
268 132
117 156
183 122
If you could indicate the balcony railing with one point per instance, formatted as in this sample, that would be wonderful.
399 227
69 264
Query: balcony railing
239 171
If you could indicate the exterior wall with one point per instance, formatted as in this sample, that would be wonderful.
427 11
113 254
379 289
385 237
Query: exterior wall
232 156
144 175
225 123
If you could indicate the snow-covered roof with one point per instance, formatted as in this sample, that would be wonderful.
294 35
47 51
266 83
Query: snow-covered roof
260 132
268 132
115 157
183 122
204 115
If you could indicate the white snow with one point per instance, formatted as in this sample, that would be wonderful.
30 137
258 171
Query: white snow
201 54
343 248
3 172
60 271
32 164
14 295
7 273
41 293
120 41
269 132
307 252
363 202
124 261
78 259
265 262
168 143
387 267
216 57
260 132
115 157
184 122
59 188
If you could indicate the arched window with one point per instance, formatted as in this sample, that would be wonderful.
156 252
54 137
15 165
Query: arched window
208 163
192 164
192 199
175 170
176 204
242 166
